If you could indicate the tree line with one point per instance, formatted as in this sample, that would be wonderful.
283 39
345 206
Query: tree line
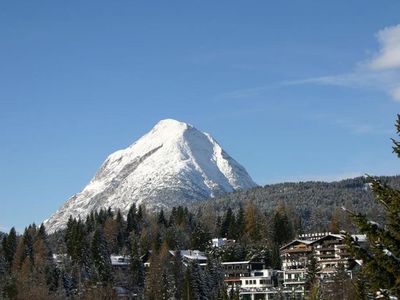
83 269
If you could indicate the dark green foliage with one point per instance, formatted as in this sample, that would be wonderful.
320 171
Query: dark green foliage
240 223
196 283
121 235
47 267
381 261
161 218
361 286
177 274
136 267
132 220
228 226
215 277
282 230
101 256
75 236
28 243
200 237
9 245
275 257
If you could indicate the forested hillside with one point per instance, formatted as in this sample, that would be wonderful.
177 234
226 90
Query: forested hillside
260 221
316 203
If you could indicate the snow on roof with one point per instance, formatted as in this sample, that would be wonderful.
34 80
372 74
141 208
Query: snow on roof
193 254
338 236
120 260
307 242
359 262
359 237
235 262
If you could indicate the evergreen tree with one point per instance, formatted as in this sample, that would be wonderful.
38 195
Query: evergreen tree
101 256
161 219
240 223
361 286
136 267
275 257
215 277
200 237
111 234
282 230
9 247
131 220
121 237
228 224
381 261
43 262
198 285
153 276
187 291
177 274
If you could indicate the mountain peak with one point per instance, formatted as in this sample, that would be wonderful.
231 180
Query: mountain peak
171 123
170 127
173 164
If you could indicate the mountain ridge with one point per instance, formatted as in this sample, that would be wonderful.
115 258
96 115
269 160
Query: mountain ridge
314 201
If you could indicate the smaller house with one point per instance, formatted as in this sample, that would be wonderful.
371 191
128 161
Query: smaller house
258 279
191 255
220 242
234 270
120 261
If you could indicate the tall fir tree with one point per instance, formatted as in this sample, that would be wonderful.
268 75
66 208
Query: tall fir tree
9 247
381 261
177 274
282 230
136 267
101 256
131 220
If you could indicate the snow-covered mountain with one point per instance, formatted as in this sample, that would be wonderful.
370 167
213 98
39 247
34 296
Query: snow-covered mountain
173 164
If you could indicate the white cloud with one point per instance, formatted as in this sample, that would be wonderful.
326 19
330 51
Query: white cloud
381 73
389 53
385 81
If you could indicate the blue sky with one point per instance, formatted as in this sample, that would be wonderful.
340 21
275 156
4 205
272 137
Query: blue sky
294 90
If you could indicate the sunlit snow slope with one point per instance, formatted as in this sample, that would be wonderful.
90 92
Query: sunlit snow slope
173 164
